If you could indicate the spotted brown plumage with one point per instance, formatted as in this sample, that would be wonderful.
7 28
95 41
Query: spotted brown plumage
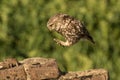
72 29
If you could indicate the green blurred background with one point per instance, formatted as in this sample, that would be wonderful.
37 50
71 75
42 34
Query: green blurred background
23 33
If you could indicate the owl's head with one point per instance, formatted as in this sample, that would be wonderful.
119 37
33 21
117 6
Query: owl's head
53 22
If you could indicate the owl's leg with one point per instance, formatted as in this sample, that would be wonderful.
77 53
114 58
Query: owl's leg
66 43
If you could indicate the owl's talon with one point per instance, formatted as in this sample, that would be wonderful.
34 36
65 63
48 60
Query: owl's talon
62 43
57 41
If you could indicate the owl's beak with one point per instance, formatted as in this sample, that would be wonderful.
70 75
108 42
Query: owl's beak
49 26
49 29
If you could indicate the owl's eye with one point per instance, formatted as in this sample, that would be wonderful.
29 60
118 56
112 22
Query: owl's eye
50 24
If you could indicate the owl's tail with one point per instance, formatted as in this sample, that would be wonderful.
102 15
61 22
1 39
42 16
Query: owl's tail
90 38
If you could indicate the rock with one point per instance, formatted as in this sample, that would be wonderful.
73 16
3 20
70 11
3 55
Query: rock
94 74
44 69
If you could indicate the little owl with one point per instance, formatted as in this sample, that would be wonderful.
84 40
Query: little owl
70 28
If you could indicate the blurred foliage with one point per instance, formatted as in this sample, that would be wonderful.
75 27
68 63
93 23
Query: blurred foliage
23 33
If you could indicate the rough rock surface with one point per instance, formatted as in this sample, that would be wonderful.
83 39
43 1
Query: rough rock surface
44 69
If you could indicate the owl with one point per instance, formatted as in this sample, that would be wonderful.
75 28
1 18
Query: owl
70 28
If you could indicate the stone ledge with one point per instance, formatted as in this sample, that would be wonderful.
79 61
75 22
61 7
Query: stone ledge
44 69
